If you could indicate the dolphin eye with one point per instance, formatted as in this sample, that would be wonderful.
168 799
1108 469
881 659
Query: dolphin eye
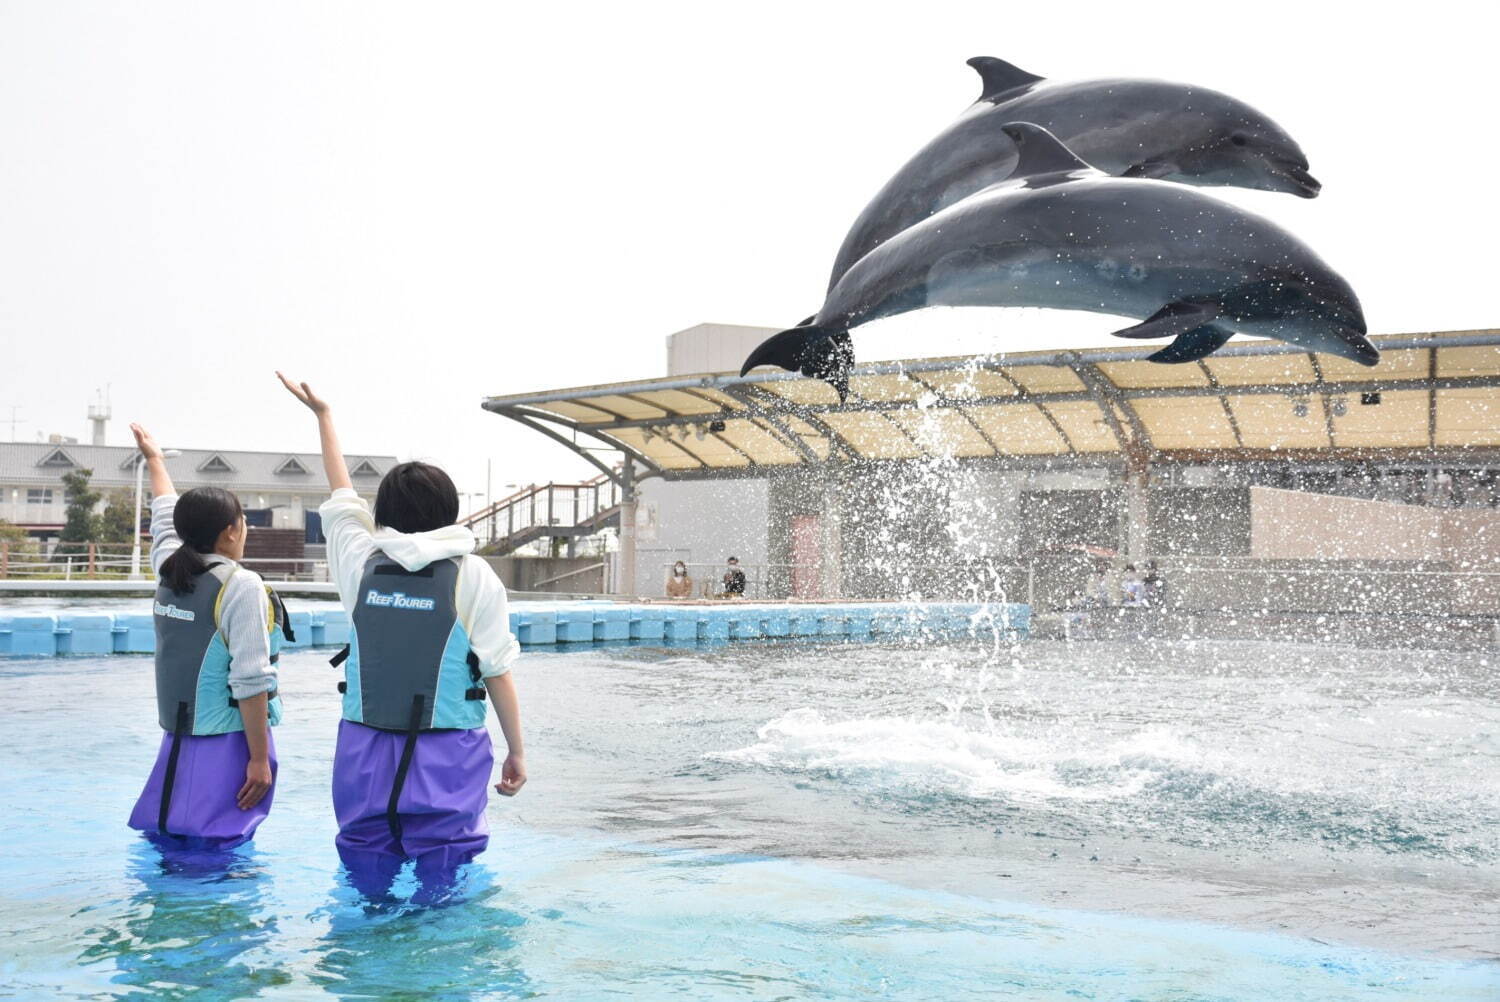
1239 140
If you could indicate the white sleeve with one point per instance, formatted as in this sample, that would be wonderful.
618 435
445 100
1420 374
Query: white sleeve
485 614
244 620
164 541
349 528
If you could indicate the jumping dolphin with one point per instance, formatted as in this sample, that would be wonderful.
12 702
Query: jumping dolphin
1061 234
1124 127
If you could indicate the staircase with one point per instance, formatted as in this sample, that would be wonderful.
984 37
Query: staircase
546 511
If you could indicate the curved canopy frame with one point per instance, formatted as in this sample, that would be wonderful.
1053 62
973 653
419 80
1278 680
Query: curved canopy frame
1432 395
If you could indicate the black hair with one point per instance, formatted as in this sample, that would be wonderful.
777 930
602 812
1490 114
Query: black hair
199 516
416 497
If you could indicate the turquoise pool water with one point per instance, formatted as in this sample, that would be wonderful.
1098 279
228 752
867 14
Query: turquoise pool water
1194 821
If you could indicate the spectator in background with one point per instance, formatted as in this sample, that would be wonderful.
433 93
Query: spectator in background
734 580
679 584
1156 586
1132 588
1099 592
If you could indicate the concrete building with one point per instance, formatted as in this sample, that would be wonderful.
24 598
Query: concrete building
939 476
279 490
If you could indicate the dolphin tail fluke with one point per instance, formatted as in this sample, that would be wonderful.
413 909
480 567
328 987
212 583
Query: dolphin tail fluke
1200 342
810 350
999 76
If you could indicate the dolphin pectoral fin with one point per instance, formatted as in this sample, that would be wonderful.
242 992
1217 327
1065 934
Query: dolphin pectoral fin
1200 342
1173 320
999 76
1040 152
1156 169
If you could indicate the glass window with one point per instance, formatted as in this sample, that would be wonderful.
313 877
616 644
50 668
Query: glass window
38 495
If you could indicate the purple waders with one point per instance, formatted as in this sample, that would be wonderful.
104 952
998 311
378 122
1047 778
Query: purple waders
200 810
439 813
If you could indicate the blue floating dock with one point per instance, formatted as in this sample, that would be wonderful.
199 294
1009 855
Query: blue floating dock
547 624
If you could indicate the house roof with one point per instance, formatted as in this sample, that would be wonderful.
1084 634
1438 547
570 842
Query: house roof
23 463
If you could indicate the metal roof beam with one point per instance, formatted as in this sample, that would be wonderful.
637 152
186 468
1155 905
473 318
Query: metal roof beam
532 420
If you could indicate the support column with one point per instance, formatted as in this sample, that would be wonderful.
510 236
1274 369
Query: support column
626 584
1137 516
830 537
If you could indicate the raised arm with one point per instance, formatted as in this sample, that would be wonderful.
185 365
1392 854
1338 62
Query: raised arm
333 456
156 463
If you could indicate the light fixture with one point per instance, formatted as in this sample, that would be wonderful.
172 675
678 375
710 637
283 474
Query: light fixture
716 426
1371 399
1299 407
700 431
1339 406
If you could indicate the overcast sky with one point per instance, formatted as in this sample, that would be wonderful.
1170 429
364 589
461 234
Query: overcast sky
415 205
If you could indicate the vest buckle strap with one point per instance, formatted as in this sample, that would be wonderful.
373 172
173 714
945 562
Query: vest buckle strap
343 687
475 693
340 657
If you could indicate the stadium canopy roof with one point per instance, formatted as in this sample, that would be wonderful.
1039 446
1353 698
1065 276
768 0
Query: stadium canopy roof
1432 396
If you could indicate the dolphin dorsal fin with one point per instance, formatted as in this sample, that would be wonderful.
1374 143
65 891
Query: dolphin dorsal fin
1000 76
1040 152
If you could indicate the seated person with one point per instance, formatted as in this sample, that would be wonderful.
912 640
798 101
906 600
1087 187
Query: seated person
734 580
679 583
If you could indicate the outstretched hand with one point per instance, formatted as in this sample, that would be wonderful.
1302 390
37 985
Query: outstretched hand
145 442
304 393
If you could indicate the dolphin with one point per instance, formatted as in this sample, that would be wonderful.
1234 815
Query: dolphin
1062 234
1124 127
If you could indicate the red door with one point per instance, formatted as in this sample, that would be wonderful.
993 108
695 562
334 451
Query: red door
807 557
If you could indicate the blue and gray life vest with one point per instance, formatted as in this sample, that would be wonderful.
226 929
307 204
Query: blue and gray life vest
409 666
192 658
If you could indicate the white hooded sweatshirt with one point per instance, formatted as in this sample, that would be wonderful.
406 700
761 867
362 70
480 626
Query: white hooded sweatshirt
482 608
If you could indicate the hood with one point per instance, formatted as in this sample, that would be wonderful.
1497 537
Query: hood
415 550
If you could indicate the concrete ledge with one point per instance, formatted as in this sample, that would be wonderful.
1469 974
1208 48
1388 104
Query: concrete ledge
537 624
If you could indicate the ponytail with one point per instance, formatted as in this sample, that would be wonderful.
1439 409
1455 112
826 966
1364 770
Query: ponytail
179 569
199 516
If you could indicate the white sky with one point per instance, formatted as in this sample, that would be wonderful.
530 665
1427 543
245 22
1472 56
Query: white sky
415 205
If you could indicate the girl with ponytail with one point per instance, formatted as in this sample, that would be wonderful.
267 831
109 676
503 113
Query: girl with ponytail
218 630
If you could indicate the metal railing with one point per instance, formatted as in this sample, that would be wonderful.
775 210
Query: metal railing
31 560
545 507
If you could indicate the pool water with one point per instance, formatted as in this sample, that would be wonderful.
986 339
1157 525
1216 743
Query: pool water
775 821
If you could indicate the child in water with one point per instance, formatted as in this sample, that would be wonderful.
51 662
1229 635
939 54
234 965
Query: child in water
218 630
429 640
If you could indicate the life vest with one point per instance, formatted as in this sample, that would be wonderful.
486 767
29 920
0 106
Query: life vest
192 658
409 666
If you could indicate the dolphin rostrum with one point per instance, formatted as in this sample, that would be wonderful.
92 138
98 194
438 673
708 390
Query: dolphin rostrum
1061 234
1124 127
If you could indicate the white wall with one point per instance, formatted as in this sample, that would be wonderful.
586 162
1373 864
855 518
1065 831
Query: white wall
984 512
699 522
713 348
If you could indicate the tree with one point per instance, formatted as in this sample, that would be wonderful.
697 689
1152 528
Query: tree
82 525
16 544
120 519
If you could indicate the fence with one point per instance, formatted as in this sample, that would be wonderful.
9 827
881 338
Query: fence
30 560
